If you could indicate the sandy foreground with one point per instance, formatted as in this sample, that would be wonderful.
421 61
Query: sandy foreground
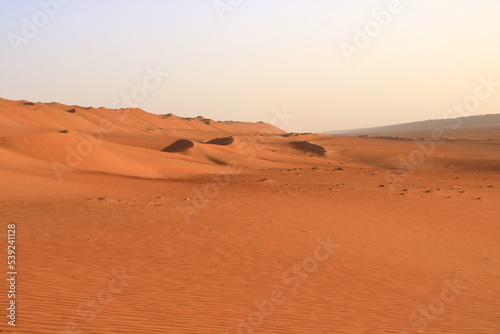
265 232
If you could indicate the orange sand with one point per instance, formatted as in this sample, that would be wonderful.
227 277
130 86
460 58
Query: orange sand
222 236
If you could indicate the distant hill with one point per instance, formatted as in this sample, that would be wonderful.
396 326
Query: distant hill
476 125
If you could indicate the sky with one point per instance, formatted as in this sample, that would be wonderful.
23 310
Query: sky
331 65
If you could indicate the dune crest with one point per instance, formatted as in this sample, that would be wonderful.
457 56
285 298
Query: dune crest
24 117
221 141
180 145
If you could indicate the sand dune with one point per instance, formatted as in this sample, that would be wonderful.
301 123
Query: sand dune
120 141
76 151
20 118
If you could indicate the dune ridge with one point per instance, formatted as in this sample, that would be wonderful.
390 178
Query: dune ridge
28 117
129 142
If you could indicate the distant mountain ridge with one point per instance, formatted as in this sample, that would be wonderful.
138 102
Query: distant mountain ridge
452 125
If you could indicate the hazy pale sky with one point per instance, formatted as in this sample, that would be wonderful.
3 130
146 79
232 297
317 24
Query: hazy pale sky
242 59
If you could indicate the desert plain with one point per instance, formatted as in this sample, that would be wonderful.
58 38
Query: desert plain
131 222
